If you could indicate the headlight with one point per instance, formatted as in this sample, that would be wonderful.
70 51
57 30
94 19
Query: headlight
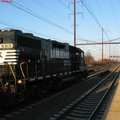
19 81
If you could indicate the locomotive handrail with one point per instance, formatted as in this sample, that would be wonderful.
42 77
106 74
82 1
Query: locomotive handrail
23 74
13 76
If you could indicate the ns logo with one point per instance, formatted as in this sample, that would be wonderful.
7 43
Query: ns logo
1 55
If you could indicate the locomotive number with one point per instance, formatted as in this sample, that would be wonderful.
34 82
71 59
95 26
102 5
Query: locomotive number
7 45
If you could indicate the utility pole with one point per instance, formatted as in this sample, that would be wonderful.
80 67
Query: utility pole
102 43
74 22
75 18
102 46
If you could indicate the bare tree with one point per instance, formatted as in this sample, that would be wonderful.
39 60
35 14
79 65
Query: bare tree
89 59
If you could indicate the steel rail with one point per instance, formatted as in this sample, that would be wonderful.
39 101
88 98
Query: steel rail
78 100
102 99
99 72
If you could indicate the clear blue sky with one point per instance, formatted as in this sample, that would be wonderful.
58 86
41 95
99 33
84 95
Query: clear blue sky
52 19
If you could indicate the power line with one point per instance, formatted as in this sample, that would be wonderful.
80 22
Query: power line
89 26
114 39
99 43
22 28
101 13
39 17
50 9
64 5
114 15
85 40
93 15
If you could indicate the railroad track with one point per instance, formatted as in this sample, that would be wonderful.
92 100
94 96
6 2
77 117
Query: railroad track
88 106
99 71
51 97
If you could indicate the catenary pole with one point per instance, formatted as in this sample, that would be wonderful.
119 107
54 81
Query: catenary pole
74 22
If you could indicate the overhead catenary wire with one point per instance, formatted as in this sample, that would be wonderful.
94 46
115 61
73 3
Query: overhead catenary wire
24 29
117 26
64 5
87 29
39 17
26 10
92 14
101 13
94 17
87 24
78 37
50 9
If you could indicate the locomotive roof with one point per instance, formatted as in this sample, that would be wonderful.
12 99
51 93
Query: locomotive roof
30 35
19 32
73 48
10 30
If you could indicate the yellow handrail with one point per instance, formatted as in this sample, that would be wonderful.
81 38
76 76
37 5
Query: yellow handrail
13 75
23 73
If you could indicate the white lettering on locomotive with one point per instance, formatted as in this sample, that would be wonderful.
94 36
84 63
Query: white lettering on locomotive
9 56
6 45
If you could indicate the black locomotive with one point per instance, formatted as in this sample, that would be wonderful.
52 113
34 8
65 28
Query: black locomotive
29 64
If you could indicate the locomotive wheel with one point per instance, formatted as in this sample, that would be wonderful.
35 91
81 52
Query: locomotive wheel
7 99
80 76
38 90
30 92
57 83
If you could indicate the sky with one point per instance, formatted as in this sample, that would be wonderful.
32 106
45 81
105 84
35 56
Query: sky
54 19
